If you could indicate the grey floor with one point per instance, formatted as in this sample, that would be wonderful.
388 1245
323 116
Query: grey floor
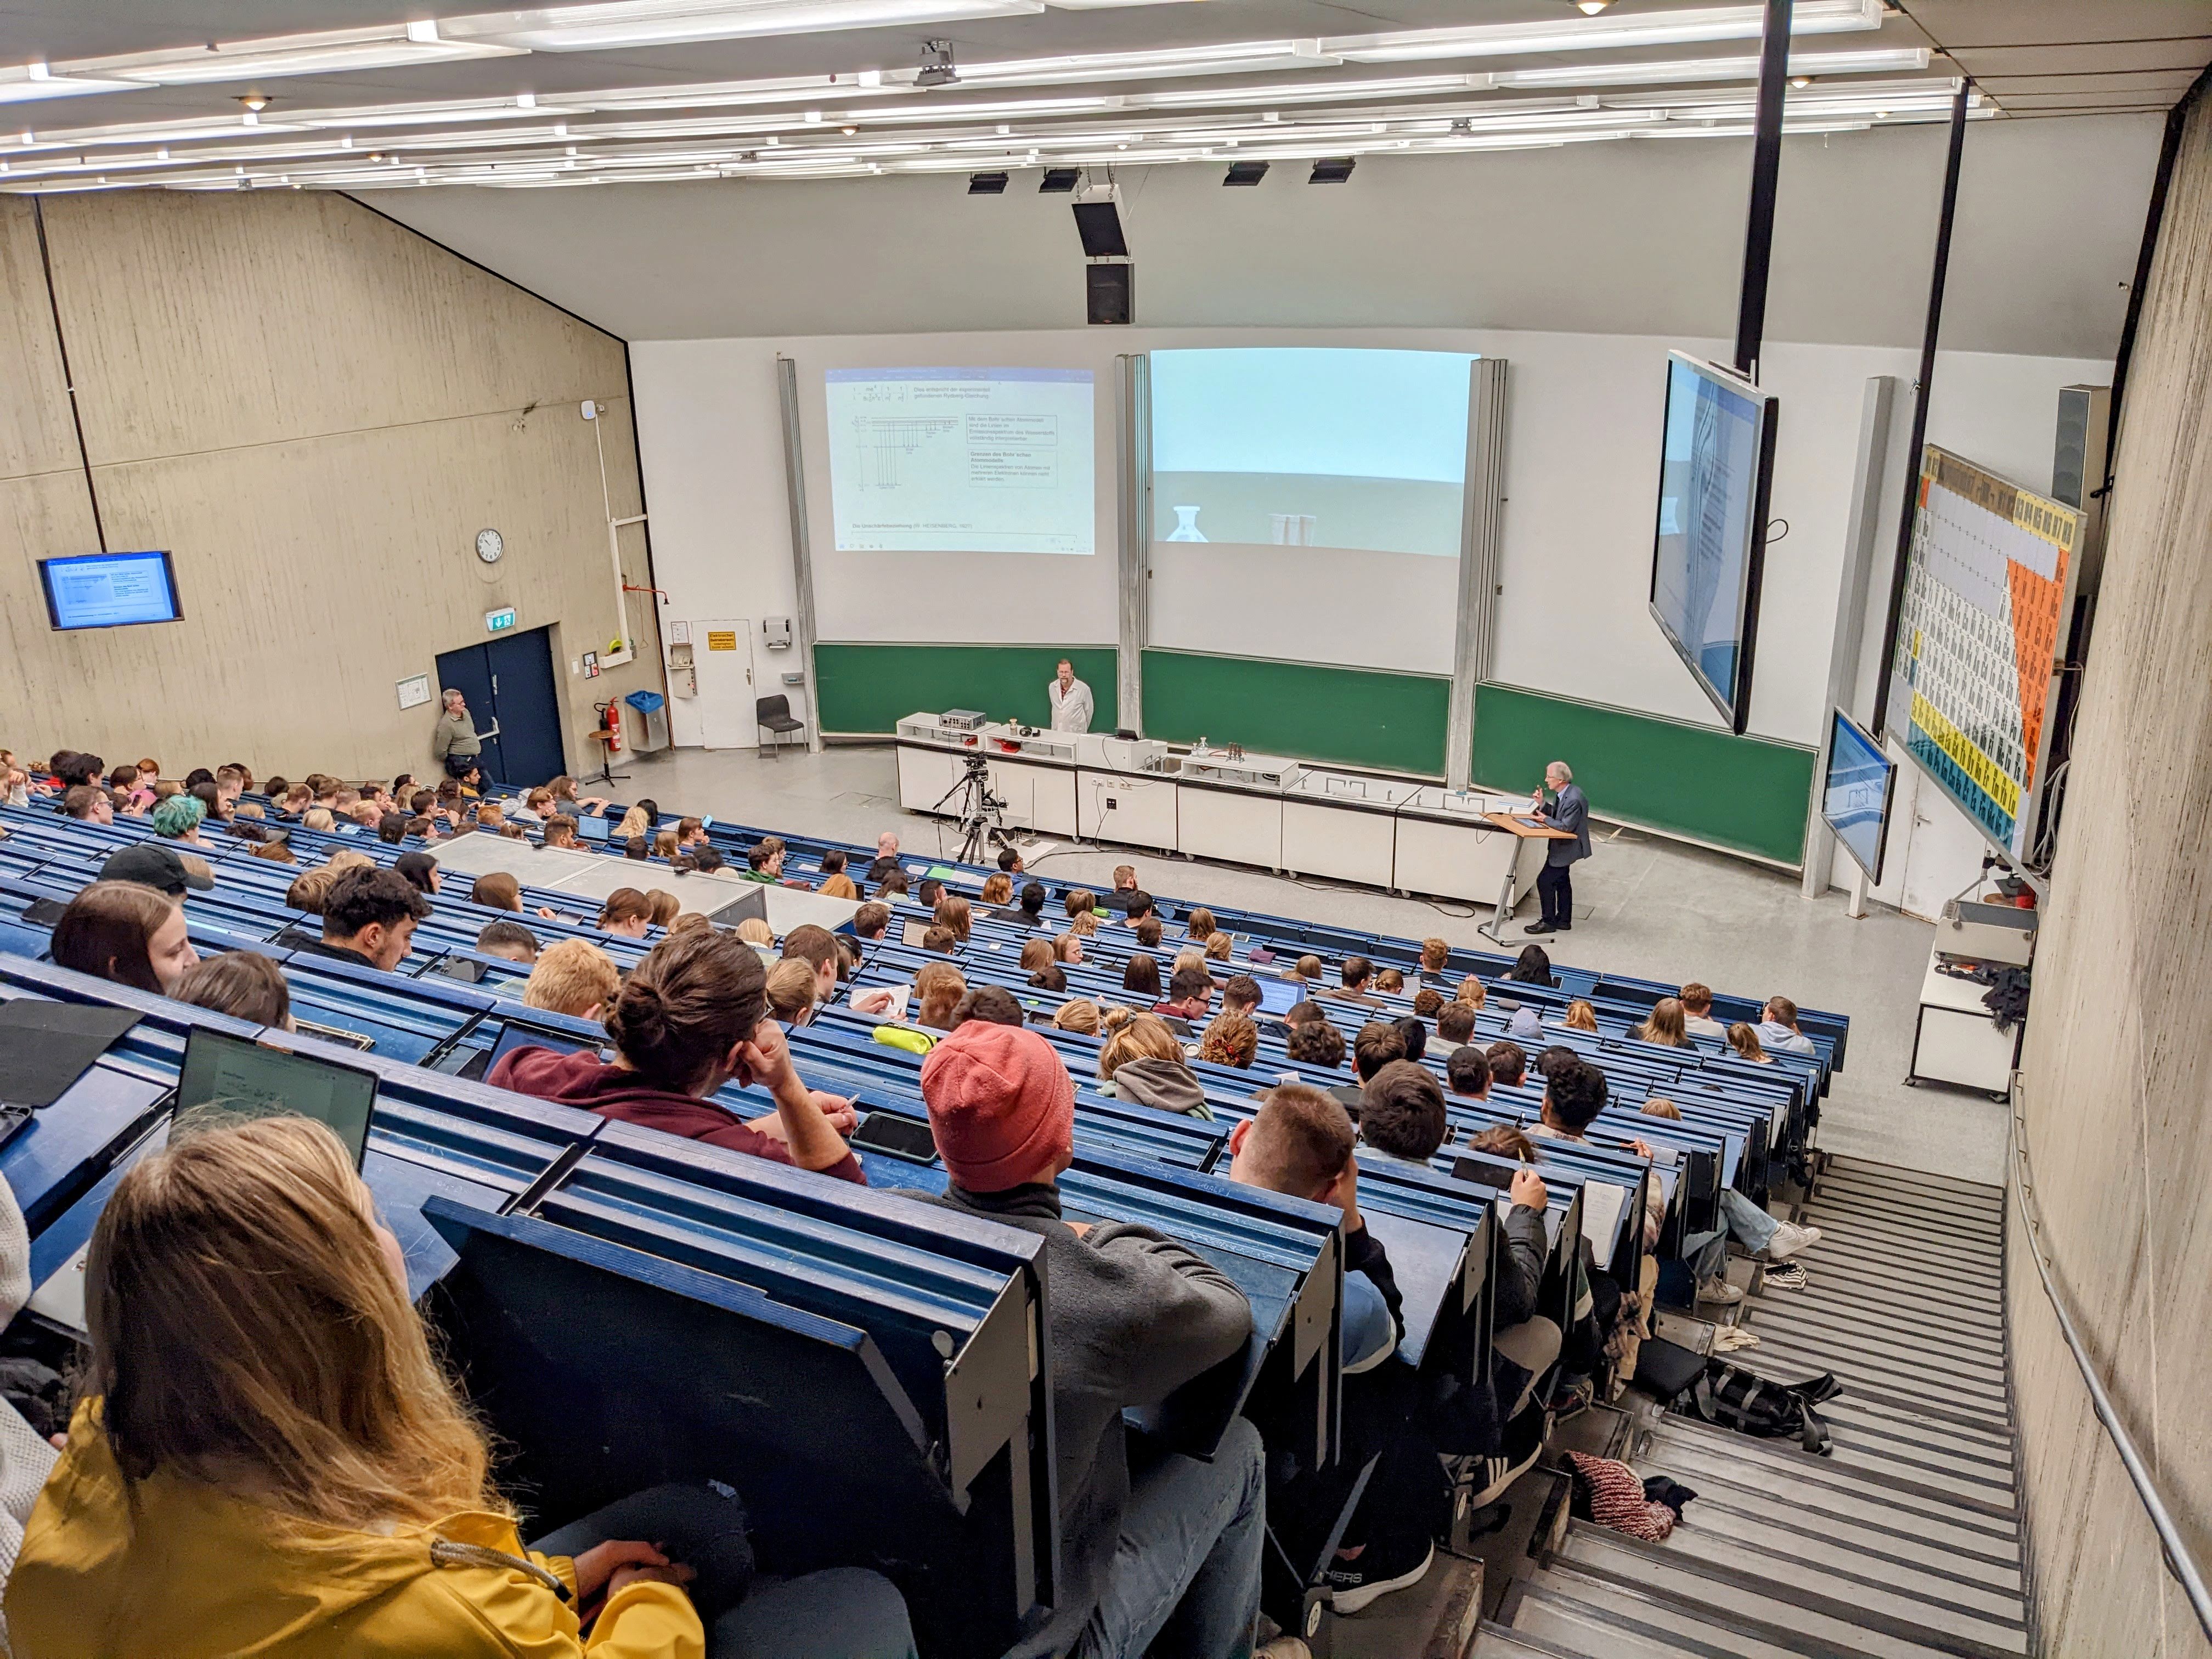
1644 906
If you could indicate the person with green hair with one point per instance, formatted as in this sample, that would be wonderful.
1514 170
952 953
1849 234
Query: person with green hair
179 818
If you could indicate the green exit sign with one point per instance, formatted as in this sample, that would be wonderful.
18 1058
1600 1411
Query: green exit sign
498 622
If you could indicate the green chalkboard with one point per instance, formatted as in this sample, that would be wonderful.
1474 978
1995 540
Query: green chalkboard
1393 722
1747 793
866 689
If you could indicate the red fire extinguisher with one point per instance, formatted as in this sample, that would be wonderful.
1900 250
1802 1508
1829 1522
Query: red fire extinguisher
611 723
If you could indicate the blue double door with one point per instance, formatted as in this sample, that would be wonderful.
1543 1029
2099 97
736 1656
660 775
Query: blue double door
509 685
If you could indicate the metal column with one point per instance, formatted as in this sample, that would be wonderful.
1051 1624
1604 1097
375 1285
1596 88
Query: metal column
1132 578
802 546
1482 519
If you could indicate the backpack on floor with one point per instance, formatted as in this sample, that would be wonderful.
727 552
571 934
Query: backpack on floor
1734 1398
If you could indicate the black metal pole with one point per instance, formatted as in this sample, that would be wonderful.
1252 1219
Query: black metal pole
2169 150
1908 511
1766 169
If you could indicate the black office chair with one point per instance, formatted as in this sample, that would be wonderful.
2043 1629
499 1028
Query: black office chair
774 715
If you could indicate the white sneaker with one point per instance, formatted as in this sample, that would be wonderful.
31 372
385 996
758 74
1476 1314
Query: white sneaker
1789 1239
1720 1290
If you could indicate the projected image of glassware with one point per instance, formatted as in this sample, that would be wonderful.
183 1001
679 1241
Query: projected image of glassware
1186 528
1290 529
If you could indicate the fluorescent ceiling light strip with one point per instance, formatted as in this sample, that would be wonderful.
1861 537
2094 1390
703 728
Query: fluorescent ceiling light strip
1165 60
1713 68
27 84
615 24
1311 92
401 115
1609 32
274 56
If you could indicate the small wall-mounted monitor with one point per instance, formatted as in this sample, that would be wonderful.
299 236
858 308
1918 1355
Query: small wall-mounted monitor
1716 464
109 590
1855 795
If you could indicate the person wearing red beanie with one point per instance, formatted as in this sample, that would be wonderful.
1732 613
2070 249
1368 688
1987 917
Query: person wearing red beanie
1158 1552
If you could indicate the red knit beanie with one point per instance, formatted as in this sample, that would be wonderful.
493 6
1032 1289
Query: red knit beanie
1001 1105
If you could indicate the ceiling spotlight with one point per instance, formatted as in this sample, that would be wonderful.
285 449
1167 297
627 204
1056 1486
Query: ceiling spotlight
1801 81
1060 181
848 131
1245 173
1331 170
1591 7
986 183
254 101
937 69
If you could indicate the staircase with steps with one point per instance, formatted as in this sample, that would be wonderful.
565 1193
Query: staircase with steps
1903 1543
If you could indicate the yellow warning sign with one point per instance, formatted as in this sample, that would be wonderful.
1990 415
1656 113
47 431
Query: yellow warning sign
719 640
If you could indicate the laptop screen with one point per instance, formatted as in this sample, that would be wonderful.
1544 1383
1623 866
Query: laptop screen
1279 996
592 828
242 1076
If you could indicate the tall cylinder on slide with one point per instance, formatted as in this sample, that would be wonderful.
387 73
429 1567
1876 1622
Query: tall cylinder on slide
1482 528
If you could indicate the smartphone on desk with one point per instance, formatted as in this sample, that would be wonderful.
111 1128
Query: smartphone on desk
896 1135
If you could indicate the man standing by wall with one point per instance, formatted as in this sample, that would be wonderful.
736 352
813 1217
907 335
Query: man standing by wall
1072 703
1567 810
455 742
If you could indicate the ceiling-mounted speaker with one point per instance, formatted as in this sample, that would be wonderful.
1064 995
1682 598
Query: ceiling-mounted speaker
1060 181
1110 291
986 183
1332 170
1098 223
1245 173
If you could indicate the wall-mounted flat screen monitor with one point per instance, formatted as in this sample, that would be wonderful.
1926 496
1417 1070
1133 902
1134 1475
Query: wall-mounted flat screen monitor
1716 463
109 590
1855 796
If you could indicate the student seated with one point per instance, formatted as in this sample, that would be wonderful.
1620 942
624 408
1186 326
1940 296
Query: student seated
501 891
127 933
1150 930
1455 1024
509 939
369 920
1531 967
998 888
1435 953
270 1457
1509 1065
87 804
1428 1002
418 869
1698 1012
940 939
1141 977
1744 1040
1354 975
1149 1539
871 921
995 1003
790 991
1010 862
1375 1045
1080 1016
1390 981
1778 1029
1032 904
1124 889
1315 1042
1231 1040
573 977
1142 1061
817 948
1190 991
764 862
1240 994
886 859
1199 925
938 989
1402 1114
1467 1073
1523 1337
690 1017
244 984
627 914
1666 1024
1582 1016
1300 1144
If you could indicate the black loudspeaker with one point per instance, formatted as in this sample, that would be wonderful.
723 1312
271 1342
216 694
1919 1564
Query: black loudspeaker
1111 292
1099 224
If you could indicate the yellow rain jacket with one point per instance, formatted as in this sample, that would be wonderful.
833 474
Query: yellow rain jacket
188 1573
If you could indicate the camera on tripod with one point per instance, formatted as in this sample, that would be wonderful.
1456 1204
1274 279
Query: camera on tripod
981 824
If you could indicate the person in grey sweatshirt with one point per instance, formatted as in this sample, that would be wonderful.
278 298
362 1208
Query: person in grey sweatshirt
1159 1553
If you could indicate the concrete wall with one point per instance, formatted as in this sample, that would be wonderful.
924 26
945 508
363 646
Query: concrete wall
2119 1061
1635 237
314 410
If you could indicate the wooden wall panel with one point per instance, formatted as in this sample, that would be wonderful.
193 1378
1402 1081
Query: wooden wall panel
314 410
208 321
2119 1059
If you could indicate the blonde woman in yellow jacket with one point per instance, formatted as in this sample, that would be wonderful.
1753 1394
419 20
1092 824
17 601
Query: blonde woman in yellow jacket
270 1461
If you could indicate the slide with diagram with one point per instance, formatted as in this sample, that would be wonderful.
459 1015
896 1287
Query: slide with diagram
963 460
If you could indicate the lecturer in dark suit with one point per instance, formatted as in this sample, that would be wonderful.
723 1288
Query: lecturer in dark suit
1568 811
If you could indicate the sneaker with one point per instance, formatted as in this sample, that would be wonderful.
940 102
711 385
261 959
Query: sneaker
1784 1276
1377 1570
1789 1239
1283 1647
1719 1290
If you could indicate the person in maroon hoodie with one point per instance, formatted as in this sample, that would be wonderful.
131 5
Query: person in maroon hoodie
689 1018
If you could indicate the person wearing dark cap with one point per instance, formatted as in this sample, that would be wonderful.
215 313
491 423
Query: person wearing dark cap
163 868
1148 1539
368 919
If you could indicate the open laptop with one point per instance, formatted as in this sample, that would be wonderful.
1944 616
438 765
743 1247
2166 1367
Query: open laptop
593 828
244 1078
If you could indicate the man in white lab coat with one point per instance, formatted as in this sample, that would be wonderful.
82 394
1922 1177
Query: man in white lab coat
1072 703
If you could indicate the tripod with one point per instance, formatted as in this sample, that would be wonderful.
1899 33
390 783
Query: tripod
982 824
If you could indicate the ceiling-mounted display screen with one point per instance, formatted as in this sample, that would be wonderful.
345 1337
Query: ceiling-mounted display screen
1717 460
963 460
109 590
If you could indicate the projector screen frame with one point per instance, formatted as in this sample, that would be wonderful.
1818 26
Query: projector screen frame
1839 722
1733 705
53 609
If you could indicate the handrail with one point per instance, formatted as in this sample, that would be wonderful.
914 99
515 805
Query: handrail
2178 1561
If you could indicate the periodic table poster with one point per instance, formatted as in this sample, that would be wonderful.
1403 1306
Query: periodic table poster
1989 577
